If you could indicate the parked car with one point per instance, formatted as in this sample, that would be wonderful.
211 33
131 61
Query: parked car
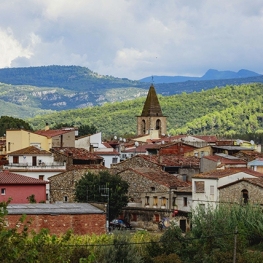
120 224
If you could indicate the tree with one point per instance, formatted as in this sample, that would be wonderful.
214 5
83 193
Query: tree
7 122
90 188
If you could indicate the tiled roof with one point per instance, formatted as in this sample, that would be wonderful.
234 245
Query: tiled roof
77 153
11 178
31 150
52 133
225 160
173 160
226 172
86 166
139 149
107 145
206 138
160 177
114 152
256 181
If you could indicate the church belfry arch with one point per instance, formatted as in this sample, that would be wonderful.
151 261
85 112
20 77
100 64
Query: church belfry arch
152 117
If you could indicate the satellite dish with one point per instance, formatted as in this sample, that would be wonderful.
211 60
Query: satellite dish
136 144
120 139
162 142
252 142
115 137
241 141
124 140
238 142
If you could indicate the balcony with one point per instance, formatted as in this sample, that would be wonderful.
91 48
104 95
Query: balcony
39 167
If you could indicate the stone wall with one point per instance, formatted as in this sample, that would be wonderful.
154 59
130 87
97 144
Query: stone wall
233 194
80 224
139 184
62 186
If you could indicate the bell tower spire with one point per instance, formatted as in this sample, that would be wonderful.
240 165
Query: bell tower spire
152 117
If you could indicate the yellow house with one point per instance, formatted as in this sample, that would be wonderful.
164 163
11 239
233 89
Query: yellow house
17 139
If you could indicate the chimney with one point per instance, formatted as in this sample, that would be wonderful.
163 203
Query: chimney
47 127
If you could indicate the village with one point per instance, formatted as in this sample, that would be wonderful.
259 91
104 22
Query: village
168 176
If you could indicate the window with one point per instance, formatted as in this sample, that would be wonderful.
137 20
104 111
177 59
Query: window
65 199
174 201
155 201
245 196
2 191
185 201
153 189
163 201
41 177
15 159
134 217
212 190
114 160
147 198
199 186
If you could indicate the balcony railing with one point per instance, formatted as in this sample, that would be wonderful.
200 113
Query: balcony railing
30 166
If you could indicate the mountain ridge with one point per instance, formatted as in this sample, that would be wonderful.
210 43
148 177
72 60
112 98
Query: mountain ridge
211 74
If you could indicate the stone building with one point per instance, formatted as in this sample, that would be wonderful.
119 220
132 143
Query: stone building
62 186
152 117
155 195
246 190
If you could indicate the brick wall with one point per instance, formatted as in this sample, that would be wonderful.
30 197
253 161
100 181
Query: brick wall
80 224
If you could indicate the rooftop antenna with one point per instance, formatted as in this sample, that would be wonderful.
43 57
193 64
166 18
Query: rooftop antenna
152 80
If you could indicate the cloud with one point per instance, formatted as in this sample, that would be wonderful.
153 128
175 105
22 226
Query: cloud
132 38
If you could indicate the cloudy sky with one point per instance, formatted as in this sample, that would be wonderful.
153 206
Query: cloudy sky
133 38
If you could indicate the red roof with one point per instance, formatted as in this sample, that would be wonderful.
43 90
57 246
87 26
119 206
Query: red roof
224 160
159 176
174 160
52 133
206 138
114 152
77 153
226 172
31 150
11 178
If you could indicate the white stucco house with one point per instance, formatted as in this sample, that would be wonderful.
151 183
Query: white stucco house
35 163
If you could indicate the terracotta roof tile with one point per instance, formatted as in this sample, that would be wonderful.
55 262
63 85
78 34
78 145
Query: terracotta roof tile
160 177
11 178
174 160
224 160
52 133
31 150
226 172
77 153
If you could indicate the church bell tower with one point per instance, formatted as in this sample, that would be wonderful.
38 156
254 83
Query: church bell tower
152 117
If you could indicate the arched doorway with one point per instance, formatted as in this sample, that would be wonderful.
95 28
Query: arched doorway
143 127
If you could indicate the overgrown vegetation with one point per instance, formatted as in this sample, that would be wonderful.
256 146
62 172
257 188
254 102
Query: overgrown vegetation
99 187
211 240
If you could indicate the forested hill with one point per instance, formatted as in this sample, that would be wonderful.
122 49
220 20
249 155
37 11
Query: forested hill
222 111
74 78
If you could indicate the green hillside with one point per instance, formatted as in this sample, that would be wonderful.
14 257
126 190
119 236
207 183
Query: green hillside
222 111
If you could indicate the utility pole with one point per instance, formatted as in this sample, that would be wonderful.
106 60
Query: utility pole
235 246
106 192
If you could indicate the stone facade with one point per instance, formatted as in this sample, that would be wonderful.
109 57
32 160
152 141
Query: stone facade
233 193
139 185
62 186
